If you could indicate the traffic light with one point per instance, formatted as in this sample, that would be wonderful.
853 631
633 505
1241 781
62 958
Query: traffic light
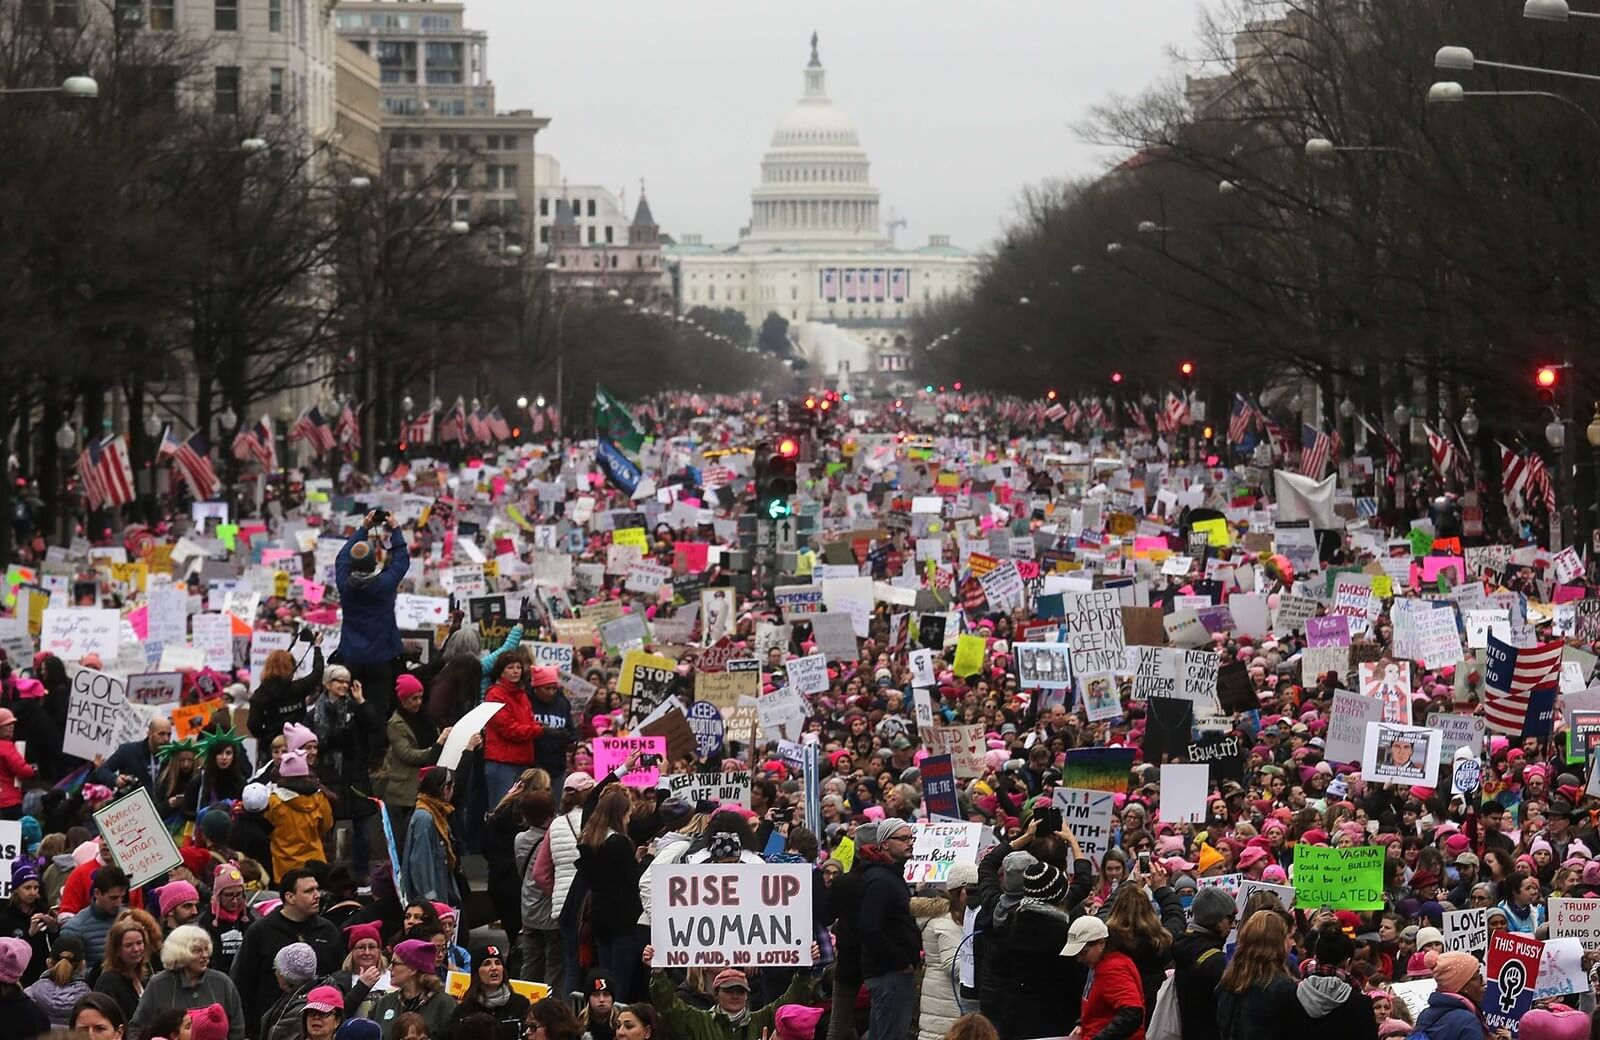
1051 396
775 478
1546 378
1187 370
1116 377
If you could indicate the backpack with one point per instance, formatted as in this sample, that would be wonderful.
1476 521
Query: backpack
1165 1021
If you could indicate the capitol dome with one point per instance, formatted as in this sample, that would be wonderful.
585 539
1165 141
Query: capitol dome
814 191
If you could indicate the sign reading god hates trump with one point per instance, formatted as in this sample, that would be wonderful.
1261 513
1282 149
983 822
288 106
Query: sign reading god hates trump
720 914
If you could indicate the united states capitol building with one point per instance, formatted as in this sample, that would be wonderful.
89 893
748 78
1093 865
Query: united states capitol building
816 251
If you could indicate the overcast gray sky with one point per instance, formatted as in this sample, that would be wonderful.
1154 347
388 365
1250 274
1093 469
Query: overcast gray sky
958 103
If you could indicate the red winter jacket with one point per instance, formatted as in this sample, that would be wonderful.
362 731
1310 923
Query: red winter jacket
1116 986
511 731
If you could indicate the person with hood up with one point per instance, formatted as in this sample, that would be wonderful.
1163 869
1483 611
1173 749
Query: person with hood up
369 638
891 944
298 810
1334 1009
1453 1007
1198 960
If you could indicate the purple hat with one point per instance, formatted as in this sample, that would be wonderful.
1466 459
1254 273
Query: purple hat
421 957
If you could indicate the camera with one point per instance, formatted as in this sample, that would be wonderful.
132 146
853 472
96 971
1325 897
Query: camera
1144 861
782 813
1049 820
648 761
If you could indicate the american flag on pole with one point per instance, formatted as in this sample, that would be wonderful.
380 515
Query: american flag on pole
1097 414
1316 448
348 428
418 430
1056 412
478 424
1136 413
257 443
1524 479
1073 417
1177 410
107 475
1240 419
313 428
1520 687
1275 434
498 425
1443 451
1391 452
192 457
453 427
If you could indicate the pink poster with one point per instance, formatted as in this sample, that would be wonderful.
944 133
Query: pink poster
611 752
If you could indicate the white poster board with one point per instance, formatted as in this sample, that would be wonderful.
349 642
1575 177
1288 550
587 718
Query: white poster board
138 840
94 714
1087 814
70 633
938 846
717 914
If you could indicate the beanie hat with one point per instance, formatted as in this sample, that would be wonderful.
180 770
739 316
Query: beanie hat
358 1029
724 846
797 1022
407 685
419 956
1211 906
891 827
217 826
1454 970
867 834
226 879
22 871
1208 858
293 764
545 675
298 736
1554 1022
962 875
357 932
175 894
362 558
1044 882
14 957
1013 869
297 963
208 1023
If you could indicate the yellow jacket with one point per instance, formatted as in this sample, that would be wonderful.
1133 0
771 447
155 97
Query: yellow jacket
298 823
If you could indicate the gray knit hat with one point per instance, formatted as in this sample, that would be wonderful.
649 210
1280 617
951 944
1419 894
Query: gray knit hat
866 834
297 963
1012 870
1211 905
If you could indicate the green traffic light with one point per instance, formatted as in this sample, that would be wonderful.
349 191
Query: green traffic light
777 508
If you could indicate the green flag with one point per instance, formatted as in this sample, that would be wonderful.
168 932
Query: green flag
614 420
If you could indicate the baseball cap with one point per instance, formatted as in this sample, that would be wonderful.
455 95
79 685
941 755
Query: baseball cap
1084 931
325 999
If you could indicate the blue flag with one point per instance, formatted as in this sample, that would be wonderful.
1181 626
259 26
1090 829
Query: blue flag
622 473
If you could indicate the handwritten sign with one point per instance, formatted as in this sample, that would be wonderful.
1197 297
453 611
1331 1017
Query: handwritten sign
729 787
1088 815
155 687
1345 879
716 914
612 752
71 633
94 711
1094 631
938 846
138 840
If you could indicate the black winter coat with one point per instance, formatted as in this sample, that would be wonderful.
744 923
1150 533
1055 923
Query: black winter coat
1198 960
278 702
1043 990
890 938
1260 1013
1333 1009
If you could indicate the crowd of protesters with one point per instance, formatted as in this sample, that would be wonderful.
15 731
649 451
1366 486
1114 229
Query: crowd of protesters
327 886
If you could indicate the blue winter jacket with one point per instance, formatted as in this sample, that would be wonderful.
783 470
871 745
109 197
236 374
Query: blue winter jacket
369 635
1450 1016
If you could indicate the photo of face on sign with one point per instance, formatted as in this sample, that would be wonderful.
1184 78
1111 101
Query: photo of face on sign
1389 682
1100 700
717 614
1401 754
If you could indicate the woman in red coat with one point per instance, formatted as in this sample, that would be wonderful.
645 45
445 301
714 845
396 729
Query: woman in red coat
1113 1005
508 739
13 770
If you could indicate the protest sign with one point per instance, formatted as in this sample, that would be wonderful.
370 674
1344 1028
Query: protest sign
1098 769
1043 665
938 846
1575 918
611 752
1352 597
939 787
10 850
71 633
155 687
716 914
705 721
808 674
1561 970
1183 792
1347 726
94 710
1094 631
782 713
798 601
965 745
724 689
1467 930
645 674
1344 879
1249 887
469 726
922 708
1457 731
1389 683
1223 756
1405 755
921 668
1156 673
138 840
554 655
1511 975
728 787
1414 994
189 719
1087 814
1197 680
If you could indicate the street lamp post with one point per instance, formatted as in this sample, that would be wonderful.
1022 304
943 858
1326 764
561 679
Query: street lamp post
152 430
66 440
285 419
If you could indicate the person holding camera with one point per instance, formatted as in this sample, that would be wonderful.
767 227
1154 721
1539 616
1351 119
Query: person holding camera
369 641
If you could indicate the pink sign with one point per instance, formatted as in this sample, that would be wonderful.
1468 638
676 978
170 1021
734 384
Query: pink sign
611 752
1433 566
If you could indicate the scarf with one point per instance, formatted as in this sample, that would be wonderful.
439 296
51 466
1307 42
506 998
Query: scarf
736 1021
440 811
498 999
874 854
422 730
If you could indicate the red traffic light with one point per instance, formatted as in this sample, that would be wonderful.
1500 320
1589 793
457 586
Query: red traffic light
957 386
1051 396
825 405
788 447
1116 377
1546 377
1187 368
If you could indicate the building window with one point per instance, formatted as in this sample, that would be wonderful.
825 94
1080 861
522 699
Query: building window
544 234
444 77
403 106
227 99
609 238
275 92
389 74
449 107
501 178
544 207
226 17
711 292
461 177
613 260
591 234
350 20
275 16
591 207
163 15
638 261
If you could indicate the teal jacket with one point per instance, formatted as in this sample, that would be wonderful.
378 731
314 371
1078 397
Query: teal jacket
686 1023
513 640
